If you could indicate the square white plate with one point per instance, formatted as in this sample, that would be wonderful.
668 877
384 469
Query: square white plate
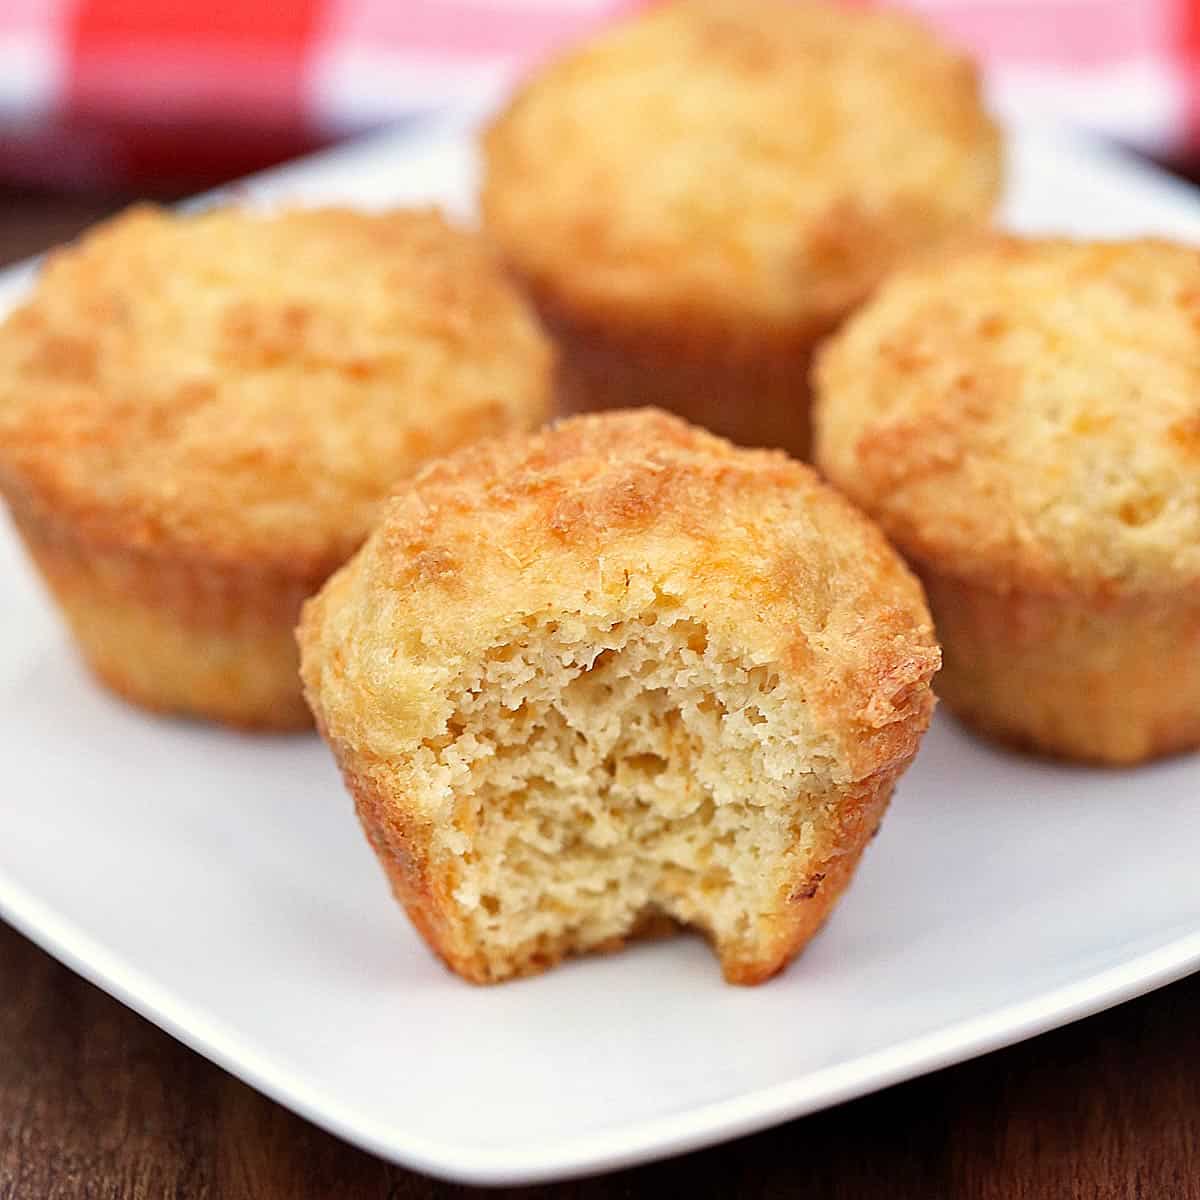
219 884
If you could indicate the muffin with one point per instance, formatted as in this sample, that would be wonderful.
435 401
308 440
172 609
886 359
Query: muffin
201 414
616 675
696 197
1023 419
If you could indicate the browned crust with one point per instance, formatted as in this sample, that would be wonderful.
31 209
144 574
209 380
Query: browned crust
1016 441
401 844
753 394
571 186
175 636
806 900
1112 681
208 386
522 524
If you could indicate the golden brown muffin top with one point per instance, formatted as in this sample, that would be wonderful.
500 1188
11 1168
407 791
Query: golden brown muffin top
248 386
1028 413
618 517
749 166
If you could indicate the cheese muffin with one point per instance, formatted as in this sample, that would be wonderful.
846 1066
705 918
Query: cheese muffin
614 674
694 198
1024 421
201 414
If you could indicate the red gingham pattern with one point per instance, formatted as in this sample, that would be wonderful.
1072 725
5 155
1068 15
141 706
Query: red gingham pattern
132 91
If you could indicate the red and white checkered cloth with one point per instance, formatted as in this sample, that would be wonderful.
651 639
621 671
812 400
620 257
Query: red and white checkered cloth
134 91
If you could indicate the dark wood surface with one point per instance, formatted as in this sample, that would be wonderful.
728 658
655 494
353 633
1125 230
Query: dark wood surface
95 1102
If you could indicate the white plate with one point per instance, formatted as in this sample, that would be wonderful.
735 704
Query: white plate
219 885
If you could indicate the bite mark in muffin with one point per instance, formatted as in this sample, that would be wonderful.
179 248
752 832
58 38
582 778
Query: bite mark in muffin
614 675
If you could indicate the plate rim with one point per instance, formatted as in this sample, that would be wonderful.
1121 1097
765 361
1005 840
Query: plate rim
620 1145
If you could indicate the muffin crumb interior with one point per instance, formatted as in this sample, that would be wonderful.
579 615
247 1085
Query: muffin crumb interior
619 674
607 774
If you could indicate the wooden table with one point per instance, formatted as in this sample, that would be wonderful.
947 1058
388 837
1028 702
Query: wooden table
95 1102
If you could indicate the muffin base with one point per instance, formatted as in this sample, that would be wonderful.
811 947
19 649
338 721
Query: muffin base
402 846
175 636
754 397
1111 681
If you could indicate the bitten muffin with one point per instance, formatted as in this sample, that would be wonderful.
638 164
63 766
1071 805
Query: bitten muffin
696 197
616 674
200 416
1024 421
